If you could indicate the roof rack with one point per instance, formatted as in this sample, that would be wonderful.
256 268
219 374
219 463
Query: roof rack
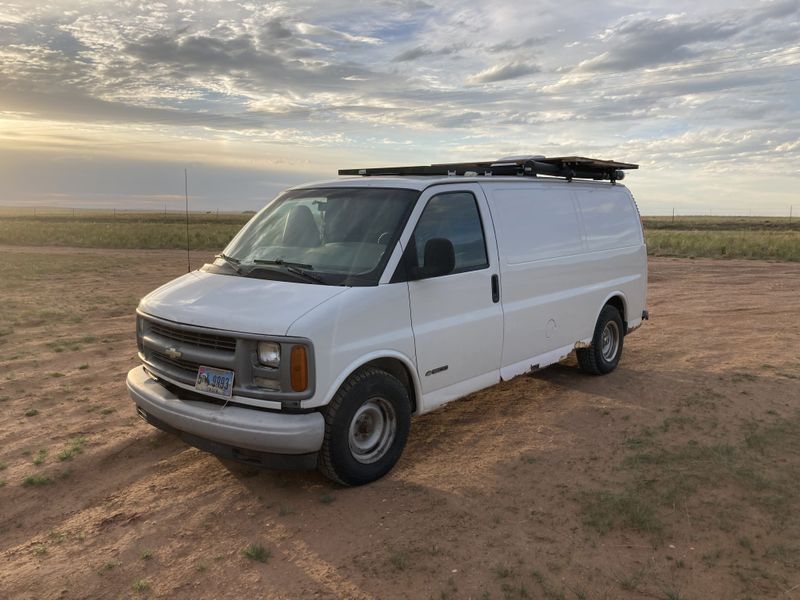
569 167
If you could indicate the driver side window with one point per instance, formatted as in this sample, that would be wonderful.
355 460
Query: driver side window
455 217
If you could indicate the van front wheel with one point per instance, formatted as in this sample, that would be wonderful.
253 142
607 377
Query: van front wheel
366 427
606 349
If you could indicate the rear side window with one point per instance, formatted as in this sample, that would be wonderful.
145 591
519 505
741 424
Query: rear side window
535 224
609 219
453 216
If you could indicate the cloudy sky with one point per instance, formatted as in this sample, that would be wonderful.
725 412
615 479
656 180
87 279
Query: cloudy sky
105 103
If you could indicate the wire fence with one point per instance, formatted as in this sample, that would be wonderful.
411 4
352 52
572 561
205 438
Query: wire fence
790 212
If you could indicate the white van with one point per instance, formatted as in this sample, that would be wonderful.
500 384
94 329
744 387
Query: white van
342 308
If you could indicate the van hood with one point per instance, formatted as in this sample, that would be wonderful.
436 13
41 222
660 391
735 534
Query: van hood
233 303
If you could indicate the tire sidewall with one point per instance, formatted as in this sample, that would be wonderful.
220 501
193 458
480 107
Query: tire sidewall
609 313
376 383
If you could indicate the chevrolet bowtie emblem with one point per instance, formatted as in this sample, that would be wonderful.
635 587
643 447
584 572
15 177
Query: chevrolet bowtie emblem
173 353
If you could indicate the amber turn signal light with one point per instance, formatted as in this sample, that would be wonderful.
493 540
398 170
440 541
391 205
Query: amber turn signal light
299 369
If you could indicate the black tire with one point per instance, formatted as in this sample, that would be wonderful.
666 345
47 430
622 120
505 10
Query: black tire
597 359
368 397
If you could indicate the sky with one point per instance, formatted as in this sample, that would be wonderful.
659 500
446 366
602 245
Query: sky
104 104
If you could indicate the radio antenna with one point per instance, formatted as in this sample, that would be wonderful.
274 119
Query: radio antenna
186 194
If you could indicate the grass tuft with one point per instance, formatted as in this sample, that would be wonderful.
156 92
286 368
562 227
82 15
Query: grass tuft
75 446
36 480
399 560
256 552
109 565
40 457
604 510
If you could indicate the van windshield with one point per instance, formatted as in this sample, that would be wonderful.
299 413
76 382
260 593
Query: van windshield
332 236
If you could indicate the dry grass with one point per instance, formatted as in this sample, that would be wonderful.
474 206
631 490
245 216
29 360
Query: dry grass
759 244
724 237
141 232
710 237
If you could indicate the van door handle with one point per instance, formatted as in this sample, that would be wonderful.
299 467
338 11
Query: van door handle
495 288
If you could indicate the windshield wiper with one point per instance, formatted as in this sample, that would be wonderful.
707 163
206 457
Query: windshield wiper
295 268
283 263
233 262
304 273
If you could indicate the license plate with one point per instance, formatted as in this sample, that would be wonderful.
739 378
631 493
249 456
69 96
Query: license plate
214 381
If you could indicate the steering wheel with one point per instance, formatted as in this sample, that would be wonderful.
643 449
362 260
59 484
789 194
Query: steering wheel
383 238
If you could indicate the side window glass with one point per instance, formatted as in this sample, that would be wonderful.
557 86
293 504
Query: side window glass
453 216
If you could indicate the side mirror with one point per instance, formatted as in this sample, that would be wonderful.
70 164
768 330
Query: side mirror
440 259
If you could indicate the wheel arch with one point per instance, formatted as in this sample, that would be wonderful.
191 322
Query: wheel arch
394 363
618 300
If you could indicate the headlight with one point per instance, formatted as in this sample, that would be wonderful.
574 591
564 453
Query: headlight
269 353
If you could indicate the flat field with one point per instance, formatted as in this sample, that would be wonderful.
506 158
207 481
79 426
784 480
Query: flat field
675 477
692 237
724 237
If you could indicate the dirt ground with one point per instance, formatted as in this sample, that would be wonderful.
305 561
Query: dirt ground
677 476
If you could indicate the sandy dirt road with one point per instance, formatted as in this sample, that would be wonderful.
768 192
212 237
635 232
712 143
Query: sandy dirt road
674 477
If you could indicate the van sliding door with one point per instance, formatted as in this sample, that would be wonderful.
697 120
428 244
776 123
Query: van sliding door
542 270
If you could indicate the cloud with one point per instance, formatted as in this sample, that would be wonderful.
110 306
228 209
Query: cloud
511 45
642 42
69 105
778 9
326 32
504 72
304 77
423 51
637 41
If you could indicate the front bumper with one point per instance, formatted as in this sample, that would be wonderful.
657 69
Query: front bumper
226 427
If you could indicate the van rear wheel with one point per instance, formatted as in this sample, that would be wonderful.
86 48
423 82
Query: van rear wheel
606 349
366 427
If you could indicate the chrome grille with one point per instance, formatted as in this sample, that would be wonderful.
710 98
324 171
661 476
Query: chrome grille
186 367
174 352
204 340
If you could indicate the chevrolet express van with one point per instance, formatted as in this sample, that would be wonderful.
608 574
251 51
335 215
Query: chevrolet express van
345 307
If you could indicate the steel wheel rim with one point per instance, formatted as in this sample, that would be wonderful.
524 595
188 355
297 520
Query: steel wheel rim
609 341
372 430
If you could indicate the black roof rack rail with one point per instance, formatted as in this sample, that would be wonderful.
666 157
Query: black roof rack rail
569 167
